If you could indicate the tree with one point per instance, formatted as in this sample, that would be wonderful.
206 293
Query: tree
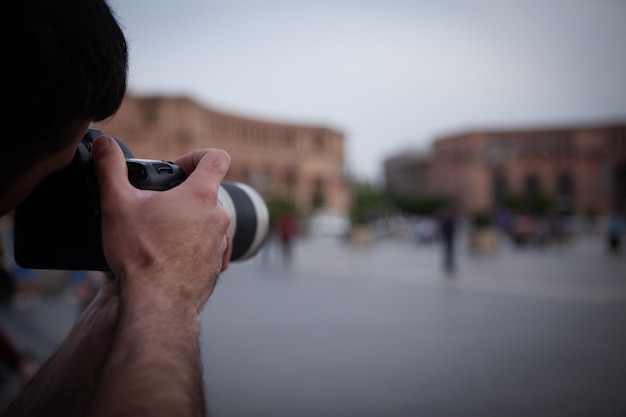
368 203
277 207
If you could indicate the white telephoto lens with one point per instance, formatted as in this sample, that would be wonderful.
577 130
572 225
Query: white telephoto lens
249 218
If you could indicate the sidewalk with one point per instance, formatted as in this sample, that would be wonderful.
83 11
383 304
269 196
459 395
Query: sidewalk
581 271
348 331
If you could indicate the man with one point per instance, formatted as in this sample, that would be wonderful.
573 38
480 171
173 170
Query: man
134 350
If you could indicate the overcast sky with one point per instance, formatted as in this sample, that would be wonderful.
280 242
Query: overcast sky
392 75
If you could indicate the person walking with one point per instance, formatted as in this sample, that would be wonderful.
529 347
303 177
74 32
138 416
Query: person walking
287 229
615 232
448 232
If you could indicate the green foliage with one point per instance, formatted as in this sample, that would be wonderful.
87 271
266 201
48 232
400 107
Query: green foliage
277 207
419 206
318 200
541 204
536 204
368 203
513 202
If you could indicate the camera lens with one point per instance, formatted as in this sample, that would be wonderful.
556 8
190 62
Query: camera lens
249 222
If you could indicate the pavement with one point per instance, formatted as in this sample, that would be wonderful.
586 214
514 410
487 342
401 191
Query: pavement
382 330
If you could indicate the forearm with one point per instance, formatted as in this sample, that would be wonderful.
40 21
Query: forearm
167 249
65 385
154 368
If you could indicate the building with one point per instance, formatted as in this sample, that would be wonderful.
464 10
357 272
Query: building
406 174
304 164
581 169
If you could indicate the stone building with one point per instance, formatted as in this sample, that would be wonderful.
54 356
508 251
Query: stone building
581 168
304 164
406 174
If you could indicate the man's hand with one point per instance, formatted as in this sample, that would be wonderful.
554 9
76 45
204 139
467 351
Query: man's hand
173 243
166 248
136 347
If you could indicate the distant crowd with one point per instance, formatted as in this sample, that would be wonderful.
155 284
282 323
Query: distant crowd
521 230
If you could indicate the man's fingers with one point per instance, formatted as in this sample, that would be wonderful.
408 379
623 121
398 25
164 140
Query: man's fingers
205 167
189 161
110 167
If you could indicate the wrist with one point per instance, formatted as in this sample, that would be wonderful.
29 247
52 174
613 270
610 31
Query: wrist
154 305
163 289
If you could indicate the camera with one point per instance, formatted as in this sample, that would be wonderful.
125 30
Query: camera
59 225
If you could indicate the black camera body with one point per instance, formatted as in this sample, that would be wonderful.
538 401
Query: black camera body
59 225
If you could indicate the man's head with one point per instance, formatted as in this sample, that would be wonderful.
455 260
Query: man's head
66 65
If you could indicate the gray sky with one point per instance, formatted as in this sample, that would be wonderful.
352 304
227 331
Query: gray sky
391 74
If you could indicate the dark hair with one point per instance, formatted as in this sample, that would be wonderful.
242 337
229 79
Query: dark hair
65 61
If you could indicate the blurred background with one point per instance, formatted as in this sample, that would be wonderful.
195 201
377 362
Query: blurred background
447 188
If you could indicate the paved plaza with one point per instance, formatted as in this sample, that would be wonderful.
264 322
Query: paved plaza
383 331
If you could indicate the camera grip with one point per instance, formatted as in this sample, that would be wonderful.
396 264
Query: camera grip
148 174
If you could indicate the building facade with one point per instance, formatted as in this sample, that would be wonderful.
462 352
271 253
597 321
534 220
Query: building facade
406 174
580 169
304 164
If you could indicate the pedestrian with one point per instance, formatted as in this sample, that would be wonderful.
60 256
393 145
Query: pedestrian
448 232
615 232
134 349
287 228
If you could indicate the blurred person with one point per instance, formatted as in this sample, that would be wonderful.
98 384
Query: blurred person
447 229
134 350
615 232
504 220
523 229
542 232
287 228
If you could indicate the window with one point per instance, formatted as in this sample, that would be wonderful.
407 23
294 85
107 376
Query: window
564 201
318 142
500 185
532 186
